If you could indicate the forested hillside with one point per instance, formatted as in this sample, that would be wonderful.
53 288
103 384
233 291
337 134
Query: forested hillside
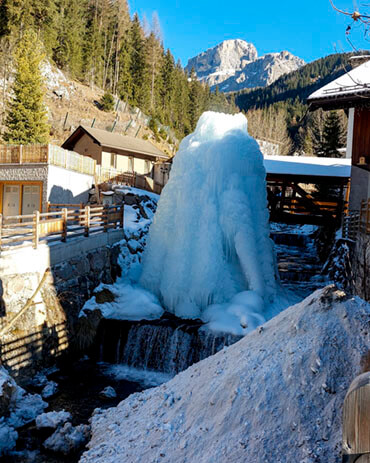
99 43
279 111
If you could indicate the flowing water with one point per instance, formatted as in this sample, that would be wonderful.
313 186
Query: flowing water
131 356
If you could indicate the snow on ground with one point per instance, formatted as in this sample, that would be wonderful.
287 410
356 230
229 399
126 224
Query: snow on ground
17 408
146 378
131 302
52 419
274 396
68 438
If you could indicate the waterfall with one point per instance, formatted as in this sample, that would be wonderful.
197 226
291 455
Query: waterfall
167 346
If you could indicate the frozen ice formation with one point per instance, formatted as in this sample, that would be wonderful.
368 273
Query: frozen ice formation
209 254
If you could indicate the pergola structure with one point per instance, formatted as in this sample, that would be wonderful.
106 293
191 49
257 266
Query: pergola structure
307 190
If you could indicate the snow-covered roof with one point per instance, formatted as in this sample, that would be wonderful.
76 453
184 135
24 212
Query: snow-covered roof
355 83
308 166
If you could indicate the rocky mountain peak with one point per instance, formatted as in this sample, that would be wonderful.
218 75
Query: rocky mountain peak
234 65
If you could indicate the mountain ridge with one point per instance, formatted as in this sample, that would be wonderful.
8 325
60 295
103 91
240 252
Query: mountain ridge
234 65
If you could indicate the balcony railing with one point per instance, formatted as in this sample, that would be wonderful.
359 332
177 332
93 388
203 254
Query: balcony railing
47 154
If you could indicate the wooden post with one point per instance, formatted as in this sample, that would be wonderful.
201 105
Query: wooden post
36 229
356 421
65 225
65 121
87 220
1 227
106 216
122 221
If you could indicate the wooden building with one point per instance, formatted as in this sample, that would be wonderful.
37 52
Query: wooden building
114 151
351 92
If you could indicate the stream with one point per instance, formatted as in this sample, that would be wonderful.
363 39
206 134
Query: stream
132 356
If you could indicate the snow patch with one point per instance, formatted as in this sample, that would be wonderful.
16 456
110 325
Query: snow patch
274 396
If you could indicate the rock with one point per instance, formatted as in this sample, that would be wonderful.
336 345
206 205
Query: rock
108 393
130 199
68 439
104 296
7 389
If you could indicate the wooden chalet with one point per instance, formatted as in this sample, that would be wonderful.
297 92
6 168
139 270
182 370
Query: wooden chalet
114 151
351 92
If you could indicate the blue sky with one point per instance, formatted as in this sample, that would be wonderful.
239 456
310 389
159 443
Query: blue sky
308 29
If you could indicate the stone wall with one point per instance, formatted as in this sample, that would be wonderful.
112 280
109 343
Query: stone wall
361 266
49 327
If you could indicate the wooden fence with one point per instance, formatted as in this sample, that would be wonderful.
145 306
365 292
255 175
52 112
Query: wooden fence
47 154
58 225
115 176
357 221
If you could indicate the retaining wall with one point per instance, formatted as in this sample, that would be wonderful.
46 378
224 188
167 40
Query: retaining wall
48 328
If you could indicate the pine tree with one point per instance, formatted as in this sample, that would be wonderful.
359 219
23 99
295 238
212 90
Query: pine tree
68 53
139 66
39 15
26 122
333 136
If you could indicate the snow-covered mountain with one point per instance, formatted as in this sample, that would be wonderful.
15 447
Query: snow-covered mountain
234 65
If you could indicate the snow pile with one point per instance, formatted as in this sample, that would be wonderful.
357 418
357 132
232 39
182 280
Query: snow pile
108 392
209 254
50 389
68 439
52 419
17 408
130 303
275 396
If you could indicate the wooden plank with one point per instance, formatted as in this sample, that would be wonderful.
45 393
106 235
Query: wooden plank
356 417
50 226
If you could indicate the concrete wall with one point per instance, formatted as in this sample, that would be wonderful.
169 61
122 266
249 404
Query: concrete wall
49 328
360 187
68 187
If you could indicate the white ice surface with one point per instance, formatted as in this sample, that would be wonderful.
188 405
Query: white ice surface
108 392
146 378
209 239
274 396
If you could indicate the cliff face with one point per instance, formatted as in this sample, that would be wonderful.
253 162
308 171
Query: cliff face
234 65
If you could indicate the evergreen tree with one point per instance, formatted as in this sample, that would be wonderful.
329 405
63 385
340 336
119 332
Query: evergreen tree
139 66
26 122
39 15
333 136
68 53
